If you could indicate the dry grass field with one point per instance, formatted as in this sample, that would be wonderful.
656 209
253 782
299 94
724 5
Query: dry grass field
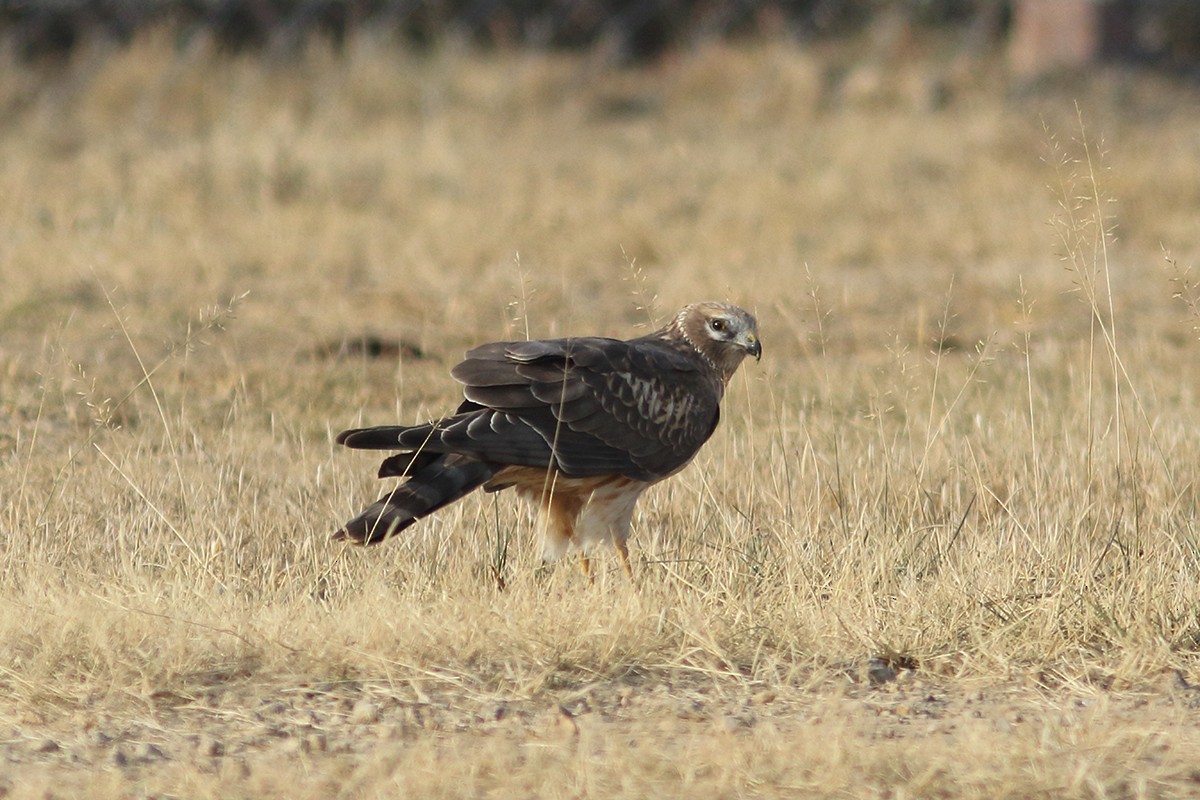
944 544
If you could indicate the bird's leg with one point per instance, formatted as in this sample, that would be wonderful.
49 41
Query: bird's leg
623 552
585 566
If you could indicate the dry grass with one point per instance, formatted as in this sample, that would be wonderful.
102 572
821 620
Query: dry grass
944 544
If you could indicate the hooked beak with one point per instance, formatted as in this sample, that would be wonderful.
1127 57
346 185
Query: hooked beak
753 346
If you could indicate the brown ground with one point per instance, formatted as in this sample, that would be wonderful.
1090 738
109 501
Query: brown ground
639 736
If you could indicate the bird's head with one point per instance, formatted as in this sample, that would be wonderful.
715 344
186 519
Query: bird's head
722 333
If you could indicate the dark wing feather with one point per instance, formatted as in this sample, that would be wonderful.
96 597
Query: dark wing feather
588 406
599 406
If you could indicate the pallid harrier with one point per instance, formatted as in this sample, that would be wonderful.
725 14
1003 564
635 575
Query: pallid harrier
582 426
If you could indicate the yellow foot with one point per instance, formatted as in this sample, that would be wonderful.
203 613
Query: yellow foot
623 552
585 566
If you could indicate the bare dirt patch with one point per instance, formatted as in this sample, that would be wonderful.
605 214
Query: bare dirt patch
624 739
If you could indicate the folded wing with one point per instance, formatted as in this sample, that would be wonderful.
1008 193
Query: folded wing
585 406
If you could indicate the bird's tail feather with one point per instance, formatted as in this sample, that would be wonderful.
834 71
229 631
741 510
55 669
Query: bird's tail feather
434 482
382 437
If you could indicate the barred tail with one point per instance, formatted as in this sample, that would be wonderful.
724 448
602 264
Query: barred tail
434 482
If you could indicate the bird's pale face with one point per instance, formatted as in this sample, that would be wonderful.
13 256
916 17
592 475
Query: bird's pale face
732 328
724 333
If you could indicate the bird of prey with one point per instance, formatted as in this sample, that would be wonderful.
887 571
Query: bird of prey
580 426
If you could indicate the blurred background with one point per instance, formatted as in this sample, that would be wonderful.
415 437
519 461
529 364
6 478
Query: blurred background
1038 34
367 169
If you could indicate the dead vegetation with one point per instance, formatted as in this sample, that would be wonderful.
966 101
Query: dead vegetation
944 543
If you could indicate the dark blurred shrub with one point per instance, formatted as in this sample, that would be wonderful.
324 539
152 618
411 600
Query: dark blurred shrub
633 29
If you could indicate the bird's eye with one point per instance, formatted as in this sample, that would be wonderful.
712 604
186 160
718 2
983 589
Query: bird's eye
717 325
